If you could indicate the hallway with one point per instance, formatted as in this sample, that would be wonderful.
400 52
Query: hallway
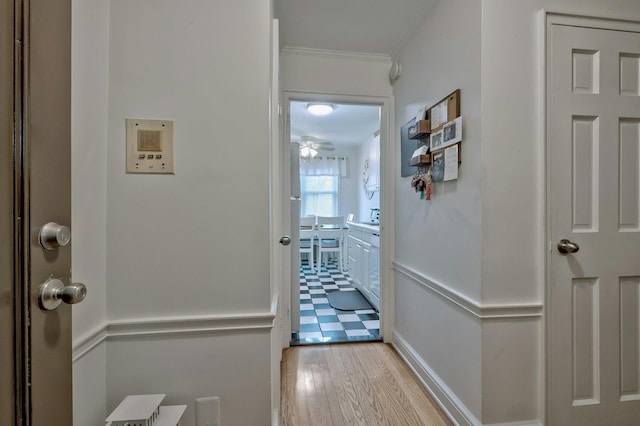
353 384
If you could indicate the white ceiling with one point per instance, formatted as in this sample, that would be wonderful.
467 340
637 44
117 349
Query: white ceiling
366 26
347 125
370 26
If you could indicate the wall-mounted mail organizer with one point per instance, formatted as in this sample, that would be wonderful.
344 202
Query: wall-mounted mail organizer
438 134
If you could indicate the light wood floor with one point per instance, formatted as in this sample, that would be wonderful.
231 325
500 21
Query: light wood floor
353 384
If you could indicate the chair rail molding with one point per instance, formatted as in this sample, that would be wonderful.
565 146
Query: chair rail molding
482 311
172 325
89 341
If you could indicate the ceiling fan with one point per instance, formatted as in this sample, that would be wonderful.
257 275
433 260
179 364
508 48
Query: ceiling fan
309 146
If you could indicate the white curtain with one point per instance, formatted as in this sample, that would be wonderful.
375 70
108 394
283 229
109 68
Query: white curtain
323 166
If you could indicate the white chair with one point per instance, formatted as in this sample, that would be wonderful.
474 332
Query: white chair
330 234
307 235
308 222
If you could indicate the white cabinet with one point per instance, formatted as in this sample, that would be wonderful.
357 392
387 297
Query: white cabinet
358 258
360 262
374 271
354 259
366 276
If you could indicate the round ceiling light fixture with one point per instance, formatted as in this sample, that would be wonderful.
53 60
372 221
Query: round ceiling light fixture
319 109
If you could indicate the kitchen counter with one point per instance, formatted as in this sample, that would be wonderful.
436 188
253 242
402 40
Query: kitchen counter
372 227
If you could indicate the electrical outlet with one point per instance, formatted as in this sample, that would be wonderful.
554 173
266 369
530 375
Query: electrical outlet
208 411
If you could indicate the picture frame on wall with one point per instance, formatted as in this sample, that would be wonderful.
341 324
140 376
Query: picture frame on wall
439 115
452 133
436 140
408 146
437 171
451 156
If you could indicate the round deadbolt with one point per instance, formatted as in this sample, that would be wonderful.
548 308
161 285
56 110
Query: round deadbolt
53 235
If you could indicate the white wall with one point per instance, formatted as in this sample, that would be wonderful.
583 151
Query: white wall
179 245
511 105
369 150
328 72
191 233
90 387
90 66
233 366
441 239
349 188
442 339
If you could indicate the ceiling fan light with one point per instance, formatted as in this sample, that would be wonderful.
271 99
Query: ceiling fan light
319 109
305 151
313 152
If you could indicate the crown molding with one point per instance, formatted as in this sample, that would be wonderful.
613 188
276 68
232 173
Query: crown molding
335 54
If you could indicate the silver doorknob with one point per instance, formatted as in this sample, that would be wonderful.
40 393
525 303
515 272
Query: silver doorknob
53 292
567 247
52 236
285 241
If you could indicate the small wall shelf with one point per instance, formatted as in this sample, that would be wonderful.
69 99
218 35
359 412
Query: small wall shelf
420 130
421 160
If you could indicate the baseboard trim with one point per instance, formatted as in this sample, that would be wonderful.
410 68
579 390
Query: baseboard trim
176 325
482 311
457 412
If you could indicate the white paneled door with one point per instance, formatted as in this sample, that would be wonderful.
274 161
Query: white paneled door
594 224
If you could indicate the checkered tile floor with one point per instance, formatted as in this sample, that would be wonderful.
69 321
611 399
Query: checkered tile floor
319 322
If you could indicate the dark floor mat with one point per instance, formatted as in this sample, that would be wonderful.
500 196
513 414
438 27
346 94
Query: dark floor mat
348 300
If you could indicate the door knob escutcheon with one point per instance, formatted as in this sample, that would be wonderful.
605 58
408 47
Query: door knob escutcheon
53 292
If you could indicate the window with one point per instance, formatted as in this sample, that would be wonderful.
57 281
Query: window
319 195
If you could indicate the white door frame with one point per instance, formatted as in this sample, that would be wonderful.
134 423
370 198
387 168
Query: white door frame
580 20
387 198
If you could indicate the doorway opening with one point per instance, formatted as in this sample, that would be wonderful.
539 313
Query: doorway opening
335 214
